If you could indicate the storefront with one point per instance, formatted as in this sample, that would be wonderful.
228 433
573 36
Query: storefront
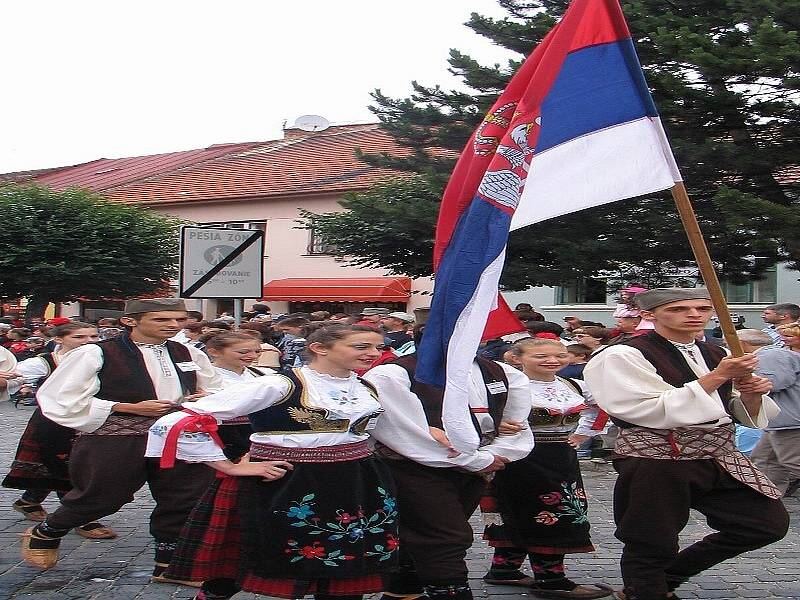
347 295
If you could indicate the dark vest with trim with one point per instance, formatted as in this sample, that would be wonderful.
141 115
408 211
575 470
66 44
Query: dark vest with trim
294 414
672 366
431 396
47 358
124 377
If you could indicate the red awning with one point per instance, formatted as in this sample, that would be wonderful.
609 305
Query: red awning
335 289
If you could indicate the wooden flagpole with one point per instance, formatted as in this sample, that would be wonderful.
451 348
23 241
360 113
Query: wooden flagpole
707 271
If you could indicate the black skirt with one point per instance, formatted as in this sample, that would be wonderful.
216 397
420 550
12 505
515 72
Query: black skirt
542 503
236 437
42 458
323 528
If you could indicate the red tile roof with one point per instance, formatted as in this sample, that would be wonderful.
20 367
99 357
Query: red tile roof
301 163
106 173
28 176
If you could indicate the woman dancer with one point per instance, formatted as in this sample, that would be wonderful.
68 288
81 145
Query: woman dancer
540 499
325 523
232 353
40 465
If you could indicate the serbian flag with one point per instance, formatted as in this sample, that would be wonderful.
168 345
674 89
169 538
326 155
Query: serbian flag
575 128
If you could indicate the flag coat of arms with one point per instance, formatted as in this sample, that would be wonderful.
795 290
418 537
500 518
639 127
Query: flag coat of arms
575 128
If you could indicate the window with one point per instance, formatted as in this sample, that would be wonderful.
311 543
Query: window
582 291
316 245
763 291
243 225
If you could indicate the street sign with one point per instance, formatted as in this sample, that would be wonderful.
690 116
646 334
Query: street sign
221 263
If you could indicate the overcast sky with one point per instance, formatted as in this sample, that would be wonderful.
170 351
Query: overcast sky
85 79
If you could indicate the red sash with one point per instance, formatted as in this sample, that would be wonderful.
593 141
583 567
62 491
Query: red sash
192 423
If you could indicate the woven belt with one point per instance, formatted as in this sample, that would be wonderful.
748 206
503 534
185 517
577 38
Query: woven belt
245 420
322 454
554 437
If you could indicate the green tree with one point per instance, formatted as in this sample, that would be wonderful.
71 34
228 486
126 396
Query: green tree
61 246
725 75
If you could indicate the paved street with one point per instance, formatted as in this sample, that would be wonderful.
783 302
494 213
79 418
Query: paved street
120 569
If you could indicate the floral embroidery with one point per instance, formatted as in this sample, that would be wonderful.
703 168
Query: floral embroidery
344 526
316 551
385 552
570 503
163 430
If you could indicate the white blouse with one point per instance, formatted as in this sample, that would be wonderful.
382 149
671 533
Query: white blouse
230 378
559 398
343 398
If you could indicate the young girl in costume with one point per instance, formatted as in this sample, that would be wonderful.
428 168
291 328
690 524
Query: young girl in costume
318 516
232 353
537 506
41 463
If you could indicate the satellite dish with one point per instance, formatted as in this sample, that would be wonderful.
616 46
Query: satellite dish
312 123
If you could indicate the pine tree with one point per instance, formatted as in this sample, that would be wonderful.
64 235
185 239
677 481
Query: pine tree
725 75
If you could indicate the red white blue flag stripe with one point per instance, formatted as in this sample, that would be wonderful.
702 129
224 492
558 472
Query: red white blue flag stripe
575 128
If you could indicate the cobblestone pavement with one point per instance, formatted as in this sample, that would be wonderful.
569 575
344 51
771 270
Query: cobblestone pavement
119 569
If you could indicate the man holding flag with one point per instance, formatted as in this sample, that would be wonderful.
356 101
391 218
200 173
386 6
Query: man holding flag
575 128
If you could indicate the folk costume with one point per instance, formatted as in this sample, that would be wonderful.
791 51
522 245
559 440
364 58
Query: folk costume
536 507
676 452
107 463
438 493
40 465
328 527
235 433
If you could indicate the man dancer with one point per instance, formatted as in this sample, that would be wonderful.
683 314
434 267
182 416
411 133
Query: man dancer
674 399
438 489
112 392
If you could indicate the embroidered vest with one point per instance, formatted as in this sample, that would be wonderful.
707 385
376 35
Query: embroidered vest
541 417
295 413
431 396
124 377
671 365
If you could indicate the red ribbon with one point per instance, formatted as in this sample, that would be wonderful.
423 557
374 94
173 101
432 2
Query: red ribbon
600 421
192 423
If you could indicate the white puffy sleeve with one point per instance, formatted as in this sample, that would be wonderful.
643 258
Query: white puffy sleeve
518 407
68 395
234 401
403 426
589 416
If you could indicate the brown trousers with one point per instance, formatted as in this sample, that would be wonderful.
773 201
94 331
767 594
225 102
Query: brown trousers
434 507
652 499
107 470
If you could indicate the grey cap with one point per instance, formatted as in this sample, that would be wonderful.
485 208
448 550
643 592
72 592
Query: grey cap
371 311
145 305
654 298
403 316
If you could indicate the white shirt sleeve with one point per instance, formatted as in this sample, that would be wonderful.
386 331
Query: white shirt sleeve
208 378
769 410
518 407
32 370
234 401
628 387
8 363
68 395
589 416
403 426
